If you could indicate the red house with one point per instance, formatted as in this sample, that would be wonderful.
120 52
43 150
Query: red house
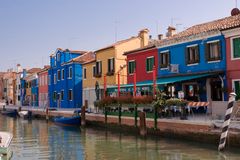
43 87
233 59
141 61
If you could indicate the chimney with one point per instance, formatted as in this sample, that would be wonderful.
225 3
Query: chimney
160 36
235 11
19 68
143 34
171 31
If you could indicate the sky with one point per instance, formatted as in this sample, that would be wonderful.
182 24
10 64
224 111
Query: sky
30 30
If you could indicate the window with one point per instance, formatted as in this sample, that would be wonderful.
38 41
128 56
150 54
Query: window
55 78
55 61
58 57
236 47
149 64
70 72
58 75
213 51
94 71
131 67
49 79
164 59
110 66
70 95
62 95
84 73
98 69
236 87
63 74
192 54
54 95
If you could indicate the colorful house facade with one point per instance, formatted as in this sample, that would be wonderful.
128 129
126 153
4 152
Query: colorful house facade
43 87
142 63
194 61
65 79
110 62
233 59
89 70
31 98
29 85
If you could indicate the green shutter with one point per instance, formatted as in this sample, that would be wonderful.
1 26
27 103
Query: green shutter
134 66
236 48
147 64
237 89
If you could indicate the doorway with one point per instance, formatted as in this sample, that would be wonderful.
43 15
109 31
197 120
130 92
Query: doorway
216 90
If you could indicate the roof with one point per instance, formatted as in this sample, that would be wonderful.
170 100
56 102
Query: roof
216 25
68 50
91 61
33 70
150 46
44 69
87 57
117 43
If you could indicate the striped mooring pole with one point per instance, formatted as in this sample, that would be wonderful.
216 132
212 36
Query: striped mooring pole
226 122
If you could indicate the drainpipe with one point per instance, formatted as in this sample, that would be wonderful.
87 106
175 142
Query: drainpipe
222 85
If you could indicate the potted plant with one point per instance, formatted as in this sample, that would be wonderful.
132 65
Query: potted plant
178 103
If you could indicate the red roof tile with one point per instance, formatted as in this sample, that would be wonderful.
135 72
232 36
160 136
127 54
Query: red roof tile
216 25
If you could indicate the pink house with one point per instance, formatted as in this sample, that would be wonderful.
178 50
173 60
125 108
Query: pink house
43 87
233 59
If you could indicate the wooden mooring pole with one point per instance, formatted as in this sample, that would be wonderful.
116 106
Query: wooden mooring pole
226 122
143 128
83 116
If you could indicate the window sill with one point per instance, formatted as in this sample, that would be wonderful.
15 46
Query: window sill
164 68
192 64
233 59
149 71
214 61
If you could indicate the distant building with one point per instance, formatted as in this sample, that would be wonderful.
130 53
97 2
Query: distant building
29 87
43 87
1 86
65 79
9 84
18 85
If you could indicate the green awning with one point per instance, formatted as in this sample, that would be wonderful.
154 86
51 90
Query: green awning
166 80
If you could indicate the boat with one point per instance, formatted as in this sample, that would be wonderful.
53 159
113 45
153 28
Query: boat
25 114
5 140
11 113
74 120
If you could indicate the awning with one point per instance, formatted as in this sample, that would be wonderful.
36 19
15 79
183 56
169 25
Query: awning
166 80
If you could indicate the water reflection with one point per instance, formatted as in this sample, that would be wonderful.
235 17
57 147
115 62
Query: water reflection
37 139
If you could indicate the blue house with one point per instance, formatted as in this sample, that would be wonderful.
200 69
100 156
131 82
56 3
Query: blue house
193 62
65 79
34 91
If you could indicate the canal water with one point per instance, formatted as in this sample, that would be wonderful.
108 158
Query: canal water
37 139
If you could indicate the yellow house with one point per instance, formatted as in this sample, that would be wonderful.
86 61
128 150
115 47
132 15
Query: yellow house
89 81
109 62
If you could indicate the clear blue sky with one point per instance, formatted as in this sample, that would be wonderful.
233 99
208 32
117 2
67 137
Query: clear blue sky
31 29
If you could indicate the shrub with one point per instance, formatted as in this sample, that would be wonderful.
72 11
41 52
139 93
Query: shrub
143 100
176 102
